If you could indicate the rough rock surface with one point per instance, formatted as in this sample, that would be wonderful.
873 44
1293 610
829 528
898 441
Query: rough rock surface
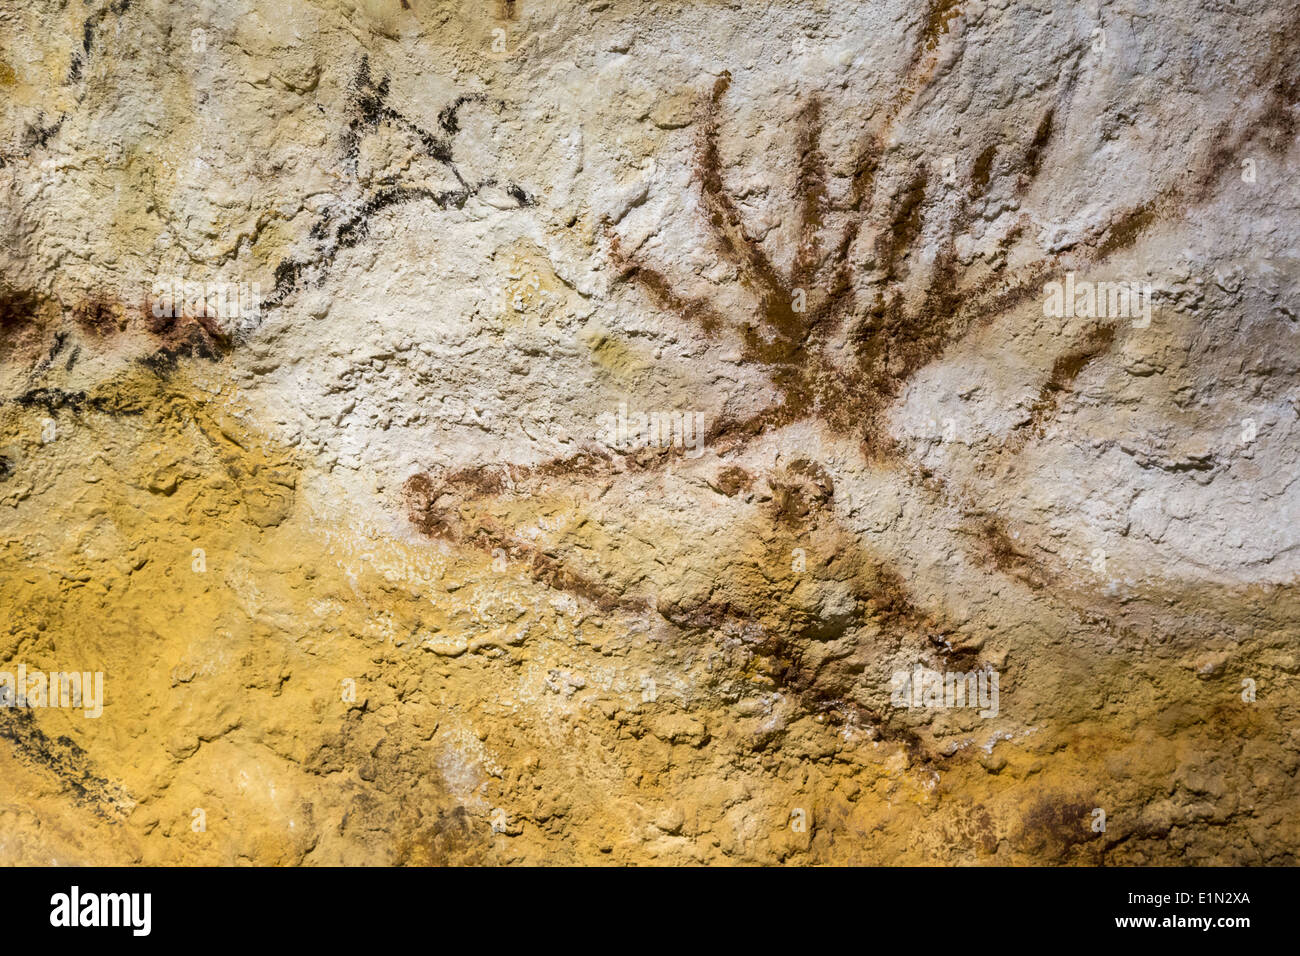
371 577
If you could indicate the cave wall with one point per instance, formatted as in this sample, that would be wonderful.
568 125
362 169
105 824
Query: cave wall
545 432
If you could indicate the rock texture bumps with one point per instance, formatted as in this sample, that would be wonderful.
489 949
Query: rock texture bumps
368 578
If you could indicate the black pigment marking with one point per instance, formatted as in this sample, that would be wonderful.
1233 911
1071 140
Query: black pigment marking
346 224
92 22
54 400
38 135
63 757
198 346
60 340
449 118
339 227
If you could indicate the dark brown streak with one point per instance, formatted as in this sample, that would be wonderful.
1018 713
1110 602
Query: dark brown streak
723 215
811 186
660 288
1065 370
